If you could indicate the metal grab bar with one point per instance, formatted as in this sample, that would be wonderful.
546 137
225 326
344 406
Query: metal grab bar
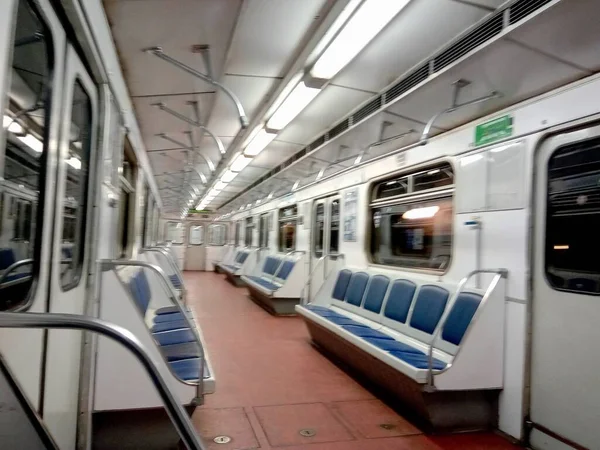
13 266
176 412
110 264
499 273
319 261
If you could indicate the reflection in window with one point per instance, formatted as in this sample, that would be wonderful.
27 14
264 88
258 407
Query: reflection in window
319 232
196 235
249 232
334 231
175 232
573 218
77 163
287 228
217 234
24 124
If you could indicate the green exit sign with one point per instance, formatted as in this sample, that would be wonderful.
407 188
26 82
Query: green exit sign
493 130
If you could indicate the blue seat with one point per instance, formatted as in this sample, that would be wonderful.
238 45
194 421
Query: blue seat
285 270
376 293
429 307
271 264
168 317
167 326
460 317
242 258
356 288
419 361
392 345
316 308
186 369
229 267
363 331
140 290
176 352
175 281
169 310
341 285
178 336
7 258
342 320
399 300
264 283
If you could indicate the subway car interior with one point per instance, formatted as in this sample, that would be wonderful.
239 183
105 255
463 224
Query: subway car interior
299 224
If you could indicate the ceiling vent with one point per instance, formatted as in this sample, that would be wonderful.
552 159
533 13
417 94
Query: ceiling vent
491 27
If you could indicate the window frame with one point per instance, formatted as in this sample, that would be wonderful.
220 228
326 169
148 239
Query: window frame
127 193
203 238
167 232
282 219
248 231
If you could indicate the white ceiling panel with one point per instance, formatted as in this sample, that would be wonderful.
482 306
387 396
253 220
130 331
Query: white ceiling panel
568 31
137 25
419 30
266 38
330 105
515 72
276 153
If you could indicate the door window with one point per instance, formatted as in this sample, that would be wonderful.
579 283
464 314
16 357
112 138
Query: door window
334 226
175 232
319 229
196 235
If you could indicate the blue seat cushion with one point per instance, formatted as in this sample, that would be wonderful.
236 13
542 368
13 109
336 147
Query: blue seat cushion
168 317
264 283
375 293
175 352
460 317
186 369
365 332
315 308
429 307
271 265
173 325
341 284
174 337
285 270
342 320
169 310
175 281
420 361
356 288
392 345
399 300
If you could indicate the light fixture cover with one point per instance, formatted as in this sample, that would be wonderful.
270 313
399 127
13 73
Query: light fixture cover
370 18
294 103
32 142
220 185
240 163
258 144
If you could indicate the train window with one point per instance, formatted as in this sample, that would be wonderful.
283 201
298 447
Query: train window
155 224
249 231
174 232
145 207
127 176
573 218
334 228
263 231
287 228
319 232
238 237
409 232
77 164
217 234
196 235
24 133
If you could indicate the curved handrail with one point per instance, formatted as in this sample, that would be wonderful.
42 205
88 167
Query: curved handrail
110 264
172 263
13 266
312 272
499 273
176 412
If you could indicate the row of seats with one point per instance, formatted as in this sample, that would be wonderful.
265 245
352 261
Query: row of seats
399 318
238 261
275 271
170 330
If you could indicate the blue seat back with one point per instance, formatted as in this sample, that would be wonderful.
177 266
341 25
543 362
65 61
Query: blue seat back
376 293
7 258
356 288
238 256
399 300
460 316
429 307
285 270
271 265
341 284
243 257
140 290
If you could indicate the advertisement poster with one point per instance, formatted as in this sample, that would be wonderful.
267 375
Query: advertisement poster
350 205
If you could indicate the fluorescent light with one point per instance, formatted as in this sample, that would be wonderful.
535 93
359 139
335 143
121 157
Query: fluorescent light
295 186
270 196
240 163
358 159
421 213
258 201
370 18
260 141
32 142
74 163
220 185
298 99
561 247
12 126
228 176
337 25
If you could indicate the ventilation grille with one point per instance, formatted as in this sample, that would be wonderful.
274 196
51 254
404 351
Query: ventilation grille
522 8
404 85
493 26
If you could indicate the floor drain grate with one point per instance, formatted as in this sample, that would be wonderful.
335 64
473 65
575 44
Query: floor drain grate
222 439
387 426
307 432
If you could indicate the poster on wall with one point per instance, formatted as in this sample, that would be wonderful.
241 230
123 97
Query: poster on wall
350 204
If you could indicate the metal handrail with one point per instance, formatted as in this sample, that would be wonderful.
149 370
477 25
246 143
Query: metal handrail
499 273
319 261
176 412
110 264
13 266
170 260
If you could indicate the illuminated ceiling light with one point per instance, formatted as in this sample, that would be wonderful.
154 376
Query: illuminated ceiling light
240 163
220 185
258 201
32 142
421 213
259 142
321 172
228 176
12 126
298 99
358 158
249 205
368 20
75 163
270 196
295 186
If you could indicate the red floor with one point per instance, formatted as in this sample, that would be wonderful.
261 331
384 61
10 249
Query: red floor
271 383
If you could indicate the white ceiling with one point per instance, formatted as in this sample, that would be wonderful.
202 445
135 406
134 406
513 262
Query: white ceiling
254 44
